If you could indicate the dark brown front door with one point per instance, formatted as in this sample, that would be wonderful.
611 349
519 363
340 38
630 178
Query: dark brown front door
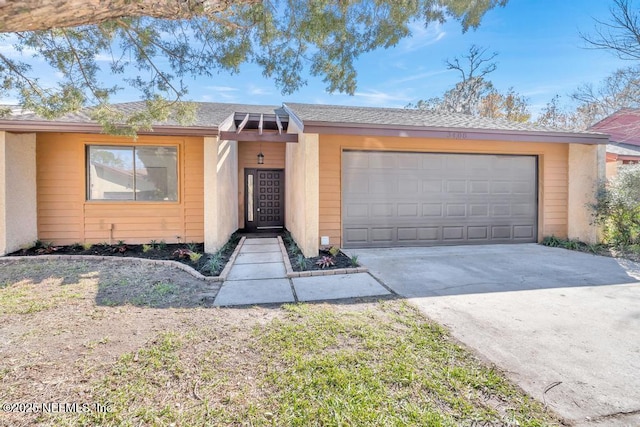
264 199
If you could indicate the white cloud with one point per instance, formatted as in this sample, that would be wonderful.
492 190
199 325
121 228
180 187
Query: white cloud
222 88
419 76
422 36
255 90
378 98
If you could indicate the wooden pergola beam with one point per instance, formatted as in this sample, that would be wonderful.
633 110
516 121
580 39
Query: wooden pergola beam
243 123
279 123
260 124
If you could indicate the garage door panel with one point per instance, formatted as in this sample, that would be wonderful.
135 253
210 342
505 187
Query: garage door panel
428 198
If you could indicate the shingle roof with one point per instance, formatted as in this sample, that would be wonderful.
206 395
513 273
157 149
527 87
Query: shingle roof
623 149
331 114
208 114
622 126
211 115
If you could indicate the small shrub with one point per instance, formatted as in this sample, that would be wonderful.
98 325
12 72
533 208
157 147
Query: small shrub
326 261
76 246
552 241
354 261
45 247
121 247
153 244
293 248
334 250
182 253
87 246
147 248
213 264
195 257
162 245
617 207
571 244
192 246
301 262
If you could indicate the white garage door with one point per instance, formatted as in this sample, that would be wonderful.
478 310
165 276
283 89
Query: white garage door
421 199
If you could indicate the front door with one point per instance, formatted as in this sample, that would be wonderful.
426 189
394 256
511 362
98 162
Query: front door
264 199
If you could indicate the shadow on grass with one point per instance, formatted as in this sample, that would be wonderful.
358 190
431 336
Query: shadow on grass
110 283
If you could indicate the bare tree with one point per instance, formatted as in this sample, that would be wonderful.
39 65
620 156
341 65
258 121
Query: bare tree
475 94
621 33
619 90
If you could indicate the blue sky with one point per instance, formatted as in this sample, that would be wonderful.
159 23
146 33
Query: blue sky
540 55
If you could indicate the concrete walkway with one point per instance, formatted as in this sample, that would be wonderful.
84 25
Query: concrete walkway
258 276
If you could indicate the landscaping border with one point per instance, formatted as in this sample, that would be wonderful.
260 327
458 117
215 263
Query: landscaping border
170 263
309 273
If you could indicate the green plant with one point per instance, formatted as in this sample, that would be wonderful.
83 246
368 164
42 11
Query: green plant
354 261
153 244
293 248
334 250
617 207
301 262
86 246
326 261
571 244
76 246
213 264
552 241
195 257
162 245
121 247
45 247
193 246
146 248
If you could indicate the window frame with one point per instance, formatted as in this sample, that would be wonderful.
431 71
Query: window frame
132 147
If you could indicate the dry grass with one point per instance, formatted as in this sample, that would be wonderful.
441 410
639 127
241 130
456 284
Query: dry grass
158 357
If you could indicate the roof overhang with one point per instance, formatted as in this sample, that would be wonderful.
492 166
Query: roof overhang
454 133
29 126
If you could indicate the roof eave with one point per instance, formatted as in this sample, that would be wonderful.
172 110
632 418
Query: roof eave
74 127
453 133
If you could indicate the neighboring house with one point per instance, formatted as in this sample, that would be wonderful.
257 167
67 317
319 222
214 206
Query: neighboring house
623 128
332 175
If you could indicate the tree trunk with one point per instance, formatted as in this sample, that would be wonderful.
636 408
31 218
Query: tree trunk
31 15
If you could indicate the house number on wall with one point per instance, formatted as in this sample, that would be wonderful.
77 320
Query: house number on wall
458 135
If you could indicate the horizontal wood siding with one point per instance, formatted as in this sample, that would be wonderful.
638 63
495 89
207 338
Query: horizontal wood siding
552 174
274 158
65 216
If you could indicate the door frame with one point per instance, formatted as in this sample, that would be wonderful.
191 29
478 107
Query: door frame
253 226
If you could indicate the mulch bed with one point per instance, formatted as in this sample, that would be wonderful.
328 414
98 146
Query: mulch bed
161 251
340 260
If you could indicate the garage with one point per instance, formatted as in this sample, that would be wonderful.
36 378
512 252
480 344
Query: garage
423 199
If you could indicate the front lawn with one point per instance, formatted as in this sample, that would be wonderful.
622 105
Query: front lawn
372 363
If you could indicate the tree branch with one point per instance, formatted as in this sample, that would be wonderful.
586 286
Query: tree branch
32 15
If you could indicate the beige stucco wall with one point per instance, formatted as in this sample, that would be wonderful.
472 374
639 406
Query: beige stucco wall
587 167
302 192
220 192
18 200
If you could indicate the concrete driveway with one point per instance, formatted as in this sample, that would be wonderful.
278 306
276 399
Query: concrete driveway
546 316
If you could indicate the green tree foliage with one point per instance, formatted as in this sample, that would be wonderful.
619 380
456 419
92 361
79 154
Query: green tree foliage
286 38
475 94
617 207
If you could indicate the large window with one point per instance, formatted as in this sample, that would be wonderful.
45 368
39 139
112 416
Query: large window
132 173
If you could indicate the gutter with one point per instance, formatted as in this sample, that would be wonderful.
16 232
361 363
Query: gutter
29 126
